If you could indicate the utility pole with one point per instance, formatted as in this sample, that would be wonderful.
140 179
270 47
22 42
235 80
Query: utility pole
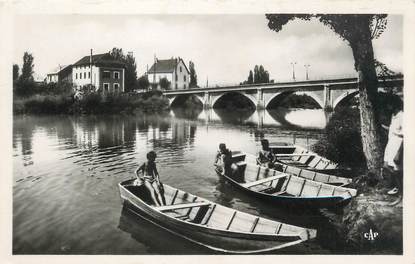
306 70
207 81
154 74
90 68
293 63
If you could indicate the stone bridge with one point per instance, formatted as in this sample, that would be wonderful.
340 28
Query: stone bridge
327 93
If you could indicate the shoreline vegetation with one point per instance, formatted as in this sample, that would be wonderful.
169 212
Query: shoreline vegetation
94 103
370 210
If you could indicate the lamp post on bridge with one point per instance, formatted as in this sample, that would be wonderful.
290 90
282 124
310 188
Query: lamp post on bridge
293 63
306 70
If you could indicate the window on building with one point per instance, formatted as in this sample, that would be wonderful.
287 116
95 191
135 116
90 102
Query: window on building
180 68
106 87
76 75
106 75
184 86
116 75
80 75
184 78
116 87
84 75
89 75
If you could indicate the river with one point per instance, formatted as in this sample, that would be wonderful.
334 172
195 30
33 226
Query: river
66 170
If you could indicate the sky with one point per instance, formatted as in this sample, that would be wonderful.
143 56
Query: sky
223 47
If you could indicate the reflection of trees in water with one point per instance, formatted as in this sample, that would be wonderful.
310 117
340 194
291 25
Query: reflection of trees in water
110 132
24 128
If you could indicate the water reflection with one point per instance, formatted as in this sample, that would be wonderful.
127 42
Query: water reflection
68 167
280 117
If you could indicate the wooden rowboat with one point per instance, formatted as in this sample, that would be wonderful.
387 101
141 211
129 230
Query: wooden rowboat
301 157
211 225
297 171
284 188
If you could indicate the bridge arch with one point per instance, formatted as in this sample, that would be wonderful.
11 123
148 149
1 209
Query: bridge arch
172 100
345 96
250 97
316 98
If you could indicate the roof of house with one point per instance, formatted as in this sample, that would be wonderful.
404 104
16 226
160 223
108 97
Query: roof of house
58 69
166 65
104 59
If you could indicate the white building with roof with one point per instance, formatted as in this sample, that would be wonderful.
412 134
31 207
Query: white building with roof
101 71
174 70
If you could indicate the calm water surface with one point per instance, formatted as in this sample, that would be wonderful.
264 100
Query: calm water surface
66 171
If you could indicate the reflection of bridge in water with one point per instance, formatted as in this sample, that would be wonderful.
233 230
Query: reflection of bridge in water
327 93
281 117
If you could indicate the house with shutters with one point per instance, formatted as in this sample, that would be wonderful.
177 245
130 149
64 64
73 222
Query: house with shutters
174 70
102 71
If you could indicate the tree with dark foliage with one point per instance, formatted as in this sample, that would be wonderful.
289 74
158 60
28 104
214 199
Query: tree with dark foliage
358 31
15 72
164 84
24 85
260 75
143 82
193 75
250 78
27 69
130 70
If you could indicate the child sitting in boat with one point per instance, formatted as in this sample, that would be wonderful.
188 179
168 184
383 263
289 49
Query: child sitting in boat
265 156
223 160
148 175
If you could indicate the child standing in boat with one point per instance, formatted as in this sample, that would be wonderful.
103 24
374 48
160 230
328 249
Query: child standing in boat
148 175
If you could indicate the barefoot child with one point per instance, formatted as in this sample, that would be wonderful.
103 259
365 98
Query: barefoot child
147 173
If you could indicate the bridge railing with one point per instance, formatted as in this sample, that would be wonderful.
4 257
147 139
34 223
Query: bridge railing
325 79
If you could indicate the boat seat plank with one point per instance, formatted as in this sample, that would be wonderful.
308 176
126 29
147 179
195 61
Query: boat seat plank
238 155
241 163
181 206
294 155
254 183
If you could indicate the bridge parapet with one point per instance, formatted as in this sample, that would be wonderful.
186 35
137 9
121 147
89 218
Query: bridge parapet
327 93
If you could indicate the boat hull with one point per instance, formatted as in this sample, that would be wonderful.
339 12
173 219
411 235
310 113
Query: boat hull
315 202
315 175
216 240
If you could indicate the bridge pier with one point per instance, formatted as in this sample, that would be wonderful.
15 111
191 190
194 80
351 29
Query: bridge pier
327 102
260 100
206 101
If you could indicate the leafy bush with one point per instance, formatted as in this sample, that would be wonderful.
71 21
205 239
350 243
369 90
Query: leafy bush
342 142
93 103
43 104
